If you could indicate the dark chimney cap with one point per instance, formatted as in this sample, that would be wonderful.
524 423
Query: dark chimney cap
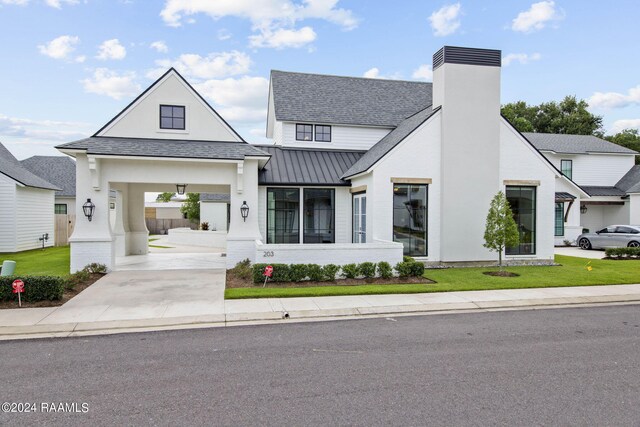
467 55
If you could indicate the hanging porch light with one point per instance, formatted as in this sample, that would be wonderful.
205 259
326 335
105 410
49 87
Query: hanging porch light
181 188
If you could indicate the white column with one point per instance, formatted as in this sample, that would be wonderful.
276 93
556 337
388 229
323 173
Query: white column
121 224
91 241
243 233
138 235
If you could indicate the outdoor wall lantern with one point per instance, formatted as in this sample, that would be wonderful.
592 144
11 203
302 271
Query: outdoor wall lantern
244 211
180 188
583 209
88 209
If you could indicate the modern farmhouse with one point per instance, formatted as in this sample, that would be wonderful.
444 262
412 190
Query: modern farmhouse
359 170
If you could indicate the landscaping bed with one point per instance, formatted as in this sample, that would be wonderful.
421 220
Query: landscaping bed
69 291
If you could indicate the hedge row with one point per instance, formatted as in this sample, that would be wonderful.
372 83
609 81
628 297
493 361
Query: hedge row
36 288
329 272
622 253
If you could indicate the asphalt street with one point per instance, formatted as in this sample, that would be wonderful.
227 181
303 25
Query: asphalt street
577 366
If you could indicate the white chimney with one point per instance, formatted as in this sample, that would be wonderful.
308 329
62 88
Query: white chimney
466 85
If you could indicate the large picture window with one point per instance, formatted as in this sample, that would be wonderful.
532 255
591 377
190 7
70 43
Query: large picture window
559 219
283 213
319 215
410 218
523 205
172 117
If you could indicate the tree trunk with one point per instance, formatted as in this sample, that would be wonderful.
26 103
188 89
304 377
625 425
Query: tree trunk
500 259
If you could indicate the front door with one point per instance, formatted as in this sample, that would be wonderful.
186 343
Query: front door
360 218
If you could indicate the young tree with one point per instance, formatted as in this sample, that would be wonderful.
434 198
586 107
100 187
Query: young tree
501 229
165 197
191 207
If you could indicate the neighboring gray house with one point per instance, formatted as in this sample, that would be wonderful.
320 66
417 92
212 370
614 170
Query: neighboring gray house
61 172
26 206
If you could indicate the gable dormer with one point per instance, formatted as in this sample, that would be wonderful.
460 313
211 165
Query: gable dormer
170 109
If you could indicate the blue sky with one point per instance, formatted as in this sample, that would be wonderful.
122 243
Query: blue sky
71 65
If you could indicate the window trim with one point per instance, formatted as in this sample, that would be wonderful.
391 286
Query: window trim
333 219
426 225
570 162
184 117
304 124
315 133
535 223
555 219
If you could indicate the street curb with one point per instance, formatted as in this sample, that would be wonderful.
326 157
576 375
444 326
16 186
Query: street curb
236 319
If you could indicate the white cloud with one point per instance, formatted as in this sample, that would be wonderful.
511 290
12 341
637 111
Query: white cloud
615 99
15 2
620 125
60 47
80 59
58 3
445 20
214 65
224 34
423 72
241 99
522 58
112 84
159 46
282 38
111 49
372 73
537 17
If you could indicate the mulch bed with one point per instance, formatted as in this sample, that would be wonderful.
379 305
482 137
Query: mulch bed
66 296
233 281
501 273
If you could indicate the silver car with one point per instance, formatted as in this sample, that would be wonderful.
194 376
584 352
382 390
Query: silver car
613 236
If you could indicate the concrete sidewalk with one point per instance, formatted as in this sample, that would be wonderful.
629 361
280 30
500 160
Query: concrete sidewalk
43 322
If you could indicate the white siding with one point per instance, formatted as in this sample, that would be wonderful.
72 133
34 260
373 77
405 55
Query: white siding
595 169
7 214
342 137
70 202
35 217
277 133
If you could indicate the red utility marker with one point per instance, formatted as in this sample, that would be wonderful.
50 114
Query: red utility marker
18 288
268 272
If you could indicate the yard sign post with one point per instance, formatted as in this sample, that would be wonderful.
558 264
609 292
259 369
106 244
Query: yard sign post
268 272
18 288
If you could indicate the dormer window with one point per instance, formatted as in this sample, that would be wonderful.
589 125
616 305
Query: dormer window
304 132
323 133
172 117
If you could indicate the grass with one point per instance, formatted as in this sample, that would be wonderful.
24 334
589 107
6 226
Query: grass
572 272
53 261
160 247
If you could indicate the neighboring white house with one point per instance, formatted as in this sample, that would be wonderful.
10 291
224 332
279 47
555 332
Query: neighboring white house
214 209
359 169
26 206
61 172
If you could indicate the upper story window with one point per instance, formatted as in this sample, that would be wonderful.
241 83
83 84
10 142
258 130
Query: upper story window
323 133
304 132
172 117
566 167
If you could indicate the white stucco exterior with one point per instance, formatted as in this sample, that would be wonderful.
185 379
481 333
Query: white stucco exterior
215 213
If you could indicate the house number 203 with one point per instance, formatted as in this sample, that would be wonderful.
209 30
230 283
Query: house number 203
268 254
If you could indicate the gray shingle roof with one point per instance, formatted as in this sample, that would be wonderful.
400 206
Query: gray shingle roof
561 195
58 170
387 143
214 197
320 98
604 191
187 149
574 144
11 167
630 183
306 167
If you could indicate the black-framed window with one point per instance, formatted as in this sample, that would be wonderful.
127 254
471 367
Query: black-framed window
410 217
566 167
283 215
323 133
60 208
172 117
319 215
304 132
523 205
559 221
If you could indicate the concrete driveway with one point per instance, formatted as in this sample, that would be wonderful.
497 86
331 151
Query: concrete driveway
580 253
127 295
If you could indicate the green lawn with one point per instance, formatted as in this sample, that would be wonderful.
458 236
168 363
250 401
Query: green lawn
572 272
41 262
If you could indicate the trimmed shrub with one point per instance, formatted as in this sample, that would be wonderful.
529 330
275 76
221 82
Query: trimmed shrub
367 269
417 269
95 268
36 288
410 269
243 269
407 258
298 272
384 270
77 278
329 272
622 253
280 273
350 271
315 272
